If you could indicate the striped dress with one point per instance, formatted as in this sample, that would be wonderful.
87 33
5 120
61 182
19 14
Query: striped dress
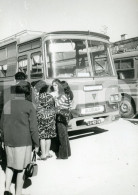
63 102
63 105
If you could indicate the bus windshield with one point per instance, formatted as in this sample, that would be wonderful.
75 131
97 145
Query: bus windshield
77 58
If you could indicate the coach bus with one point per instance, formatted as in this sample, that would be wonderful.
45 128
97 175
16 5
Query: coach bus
81 58
126 64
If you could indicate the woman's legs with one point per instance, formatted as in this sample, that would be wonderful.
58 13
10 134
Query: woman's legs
64 147
43 148
47 146
9 175
19 182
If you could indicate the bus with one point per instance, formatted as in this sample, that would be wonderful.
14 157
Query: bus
81 58
126 64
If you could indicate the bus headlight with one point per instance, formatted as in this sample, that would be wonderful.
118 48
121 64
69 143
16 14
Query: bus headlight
117 97
114 98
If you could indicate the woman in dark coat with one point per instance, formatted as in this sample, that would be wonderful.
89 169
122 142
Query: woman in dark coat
19 128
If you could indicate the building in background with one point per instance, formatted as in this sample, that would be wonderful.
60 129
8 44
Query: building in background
125 44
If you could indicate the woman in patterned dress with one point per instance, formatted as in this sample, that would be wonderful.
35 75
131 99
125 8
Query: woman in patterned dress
46 121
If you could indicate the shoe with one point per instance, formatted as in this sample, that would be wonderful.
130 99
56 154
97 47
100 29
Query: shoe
42 158
7 193
49 156
58 158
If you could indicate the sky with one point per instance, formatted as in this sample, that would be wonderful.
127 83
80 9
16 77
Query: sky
111 17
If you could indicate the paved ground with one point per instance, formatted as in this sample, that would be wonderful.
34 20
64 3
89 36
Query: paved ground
102 163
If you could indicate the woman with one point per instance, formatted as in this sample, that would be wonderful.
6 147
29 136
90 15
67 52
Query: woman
37 85
46 121
19 127
62 103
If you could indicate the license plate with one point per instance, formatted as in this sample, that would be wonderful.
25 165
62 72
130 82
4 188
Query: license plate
92 110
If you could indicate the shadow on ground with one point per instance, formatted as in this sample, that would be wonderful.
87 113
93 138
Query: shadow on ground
85 133
77 135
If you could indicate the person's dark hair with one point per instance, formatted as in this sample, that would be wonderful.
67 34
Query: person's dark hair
38 84
20 76
44 89
51 89
23 87
34 83
67 89
56 81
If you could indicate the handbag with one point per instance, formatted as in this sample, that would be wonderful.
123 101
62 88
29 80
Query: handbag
32 168
61 119
64 116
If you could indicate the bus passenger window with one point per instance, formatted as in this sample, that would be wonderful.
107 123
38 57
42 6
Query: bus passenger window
126 69
3 70
22 64
36 67
120 75
8 69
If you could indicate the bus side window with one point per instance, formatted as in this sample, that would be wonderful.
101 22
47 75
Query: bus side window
22 64
121 75
36 67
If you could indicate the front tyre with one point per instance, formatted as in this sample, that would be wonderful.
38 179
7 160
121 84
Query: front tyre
126 108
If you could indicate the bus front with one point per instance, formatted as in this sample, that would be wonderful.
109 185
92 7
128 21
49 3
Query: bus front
84 60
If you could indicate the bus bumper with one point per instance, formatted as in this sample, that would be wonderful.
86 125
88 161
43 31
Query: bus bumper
89 121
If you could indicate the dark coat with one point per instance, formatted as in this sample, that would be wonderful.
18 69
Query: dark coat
19 123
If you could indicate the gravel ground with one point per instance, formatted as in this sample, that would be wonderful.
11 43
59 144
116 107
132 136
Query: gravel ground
102 163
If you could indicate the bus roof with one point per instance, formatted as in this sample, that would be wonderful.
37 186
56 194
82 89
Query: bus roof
80 33
125 54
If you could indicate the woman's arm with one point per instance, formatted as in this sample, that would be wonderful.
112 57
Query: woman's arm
34 126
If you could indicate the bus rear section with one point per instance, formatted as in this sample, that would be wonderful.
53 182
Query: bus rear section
8 68
126 64
84 60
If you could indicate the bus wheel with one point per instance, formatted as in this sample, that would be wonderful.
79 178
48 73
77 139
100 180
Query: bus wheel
126 108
